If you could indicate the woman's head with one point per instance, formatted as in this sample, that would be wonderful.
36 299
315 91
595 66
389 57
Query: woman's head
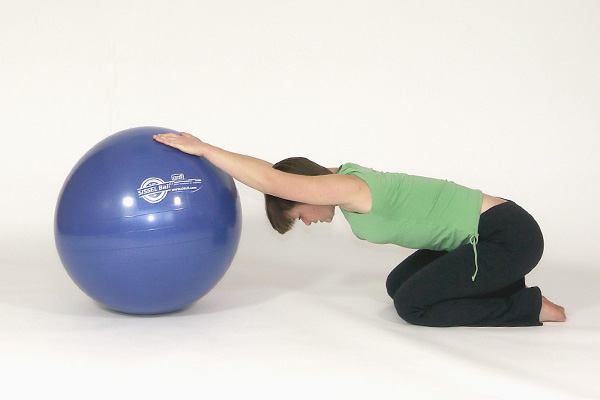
278 208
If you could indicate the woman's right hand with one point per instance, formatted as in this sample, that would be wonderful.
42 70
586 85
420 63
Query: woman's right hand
184 142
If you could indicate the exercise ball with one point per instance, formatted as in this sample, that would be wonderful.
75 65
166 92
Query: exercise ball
143 228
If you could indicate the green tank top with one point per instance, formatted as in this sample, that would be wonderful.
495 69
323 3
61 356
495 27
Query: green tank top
416 212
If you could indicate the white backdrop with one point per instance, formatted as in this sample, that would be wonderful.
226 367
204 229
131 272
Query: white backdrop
502 96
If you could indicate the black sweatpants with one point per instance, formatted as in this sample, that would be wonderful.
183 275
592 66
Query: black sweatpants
434 288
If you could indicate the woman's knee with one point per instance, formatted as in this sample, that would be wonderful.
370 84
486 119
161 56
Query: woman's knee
394 281
406 307
410 266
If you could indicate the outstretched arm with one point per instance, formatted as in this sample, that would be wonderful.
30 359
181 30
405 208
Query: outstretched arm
344 190
248 170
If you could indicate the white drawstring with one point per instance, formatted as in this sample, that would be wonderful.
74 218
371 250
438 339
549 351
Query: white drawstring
474 239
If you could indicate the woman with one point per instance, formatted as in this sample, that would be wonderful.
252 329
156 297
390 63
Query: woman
475 249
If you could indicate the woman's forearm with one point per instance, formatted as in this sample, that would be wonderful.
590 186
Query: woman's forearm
251 171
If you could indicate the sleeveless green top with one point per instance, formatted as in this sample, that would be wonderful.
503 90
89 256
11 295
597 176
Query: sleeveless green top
416 212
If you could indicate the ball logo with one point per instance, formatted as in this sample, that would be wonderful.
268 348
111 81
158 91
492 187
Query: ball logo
154 190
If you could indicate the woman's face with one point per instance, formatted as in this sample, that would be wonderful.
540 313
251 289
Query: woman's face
309 213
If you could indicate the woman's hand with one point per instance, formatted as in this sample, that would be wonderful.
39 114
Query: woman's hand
184 142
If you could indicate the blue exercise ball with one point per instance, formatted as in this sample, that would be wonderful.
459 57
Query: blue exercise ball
143 228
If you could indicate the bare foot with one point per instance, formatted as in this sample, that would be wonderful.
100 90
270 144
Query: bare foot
551 312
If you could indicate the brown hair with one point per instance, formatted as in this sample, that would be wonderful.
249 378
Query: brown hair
275 206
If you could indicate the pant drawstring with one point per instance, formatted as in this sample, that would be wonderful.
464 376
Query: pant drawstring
474 239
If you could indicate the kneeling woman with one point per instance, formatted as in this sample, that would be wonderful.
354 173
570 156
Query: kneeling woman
475 249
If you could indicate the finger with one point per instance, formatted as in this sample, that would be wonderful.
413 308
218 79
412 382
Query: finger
165 136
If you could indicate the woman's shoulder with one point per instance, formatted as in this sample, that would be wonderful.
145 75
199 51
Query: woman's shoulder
357 175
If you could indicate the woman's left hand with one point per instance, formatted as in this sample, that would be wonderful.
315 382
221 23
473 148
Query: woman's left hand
184 142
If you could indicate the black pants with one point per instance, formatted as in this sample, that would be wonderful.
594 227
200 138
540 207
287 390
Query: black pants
434 288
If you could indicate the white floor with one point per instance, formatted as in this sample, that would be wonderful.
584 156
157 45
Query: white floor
308 318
